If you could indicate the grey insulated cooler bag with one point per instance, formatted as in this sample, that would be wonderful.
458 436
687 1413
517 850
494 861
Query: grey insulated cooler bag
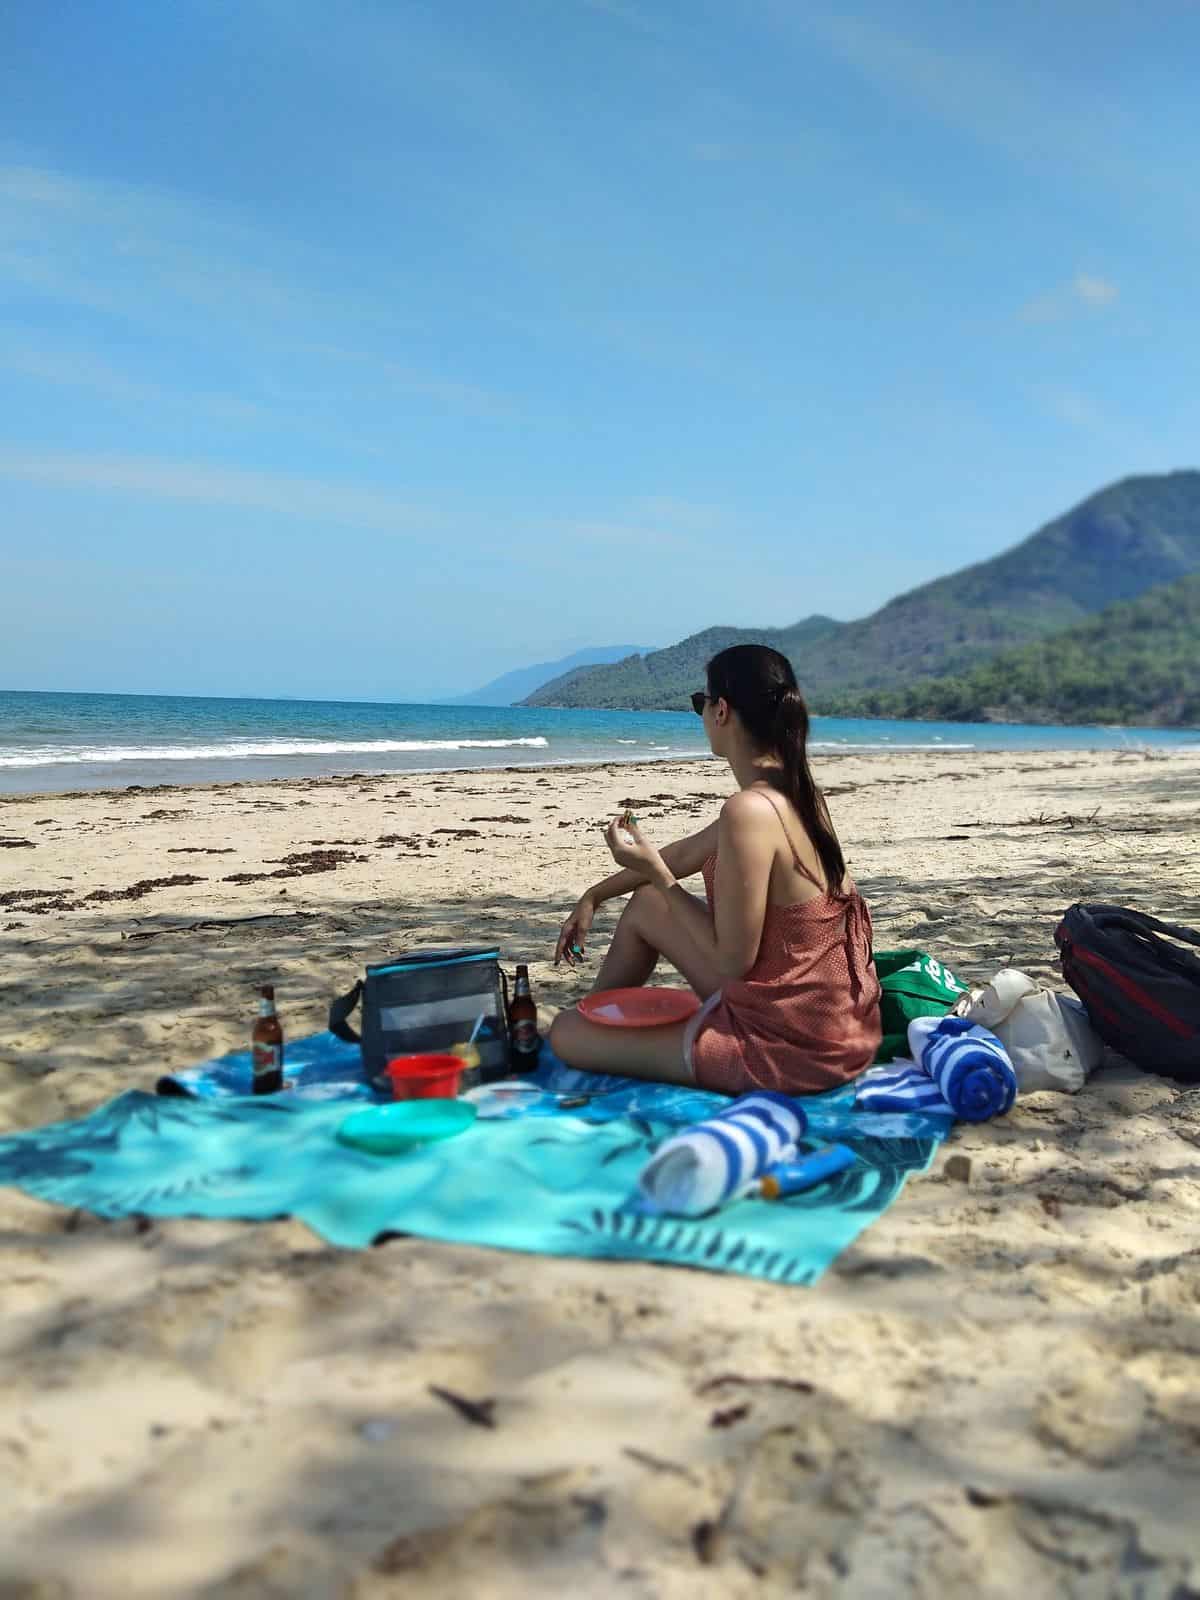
429 1000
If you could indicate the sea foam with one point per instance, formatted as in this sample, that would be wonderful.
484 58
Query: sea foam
242 749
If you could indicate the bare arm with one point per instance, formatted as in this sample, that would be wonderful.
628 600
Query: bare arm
743 873
747 853
683 858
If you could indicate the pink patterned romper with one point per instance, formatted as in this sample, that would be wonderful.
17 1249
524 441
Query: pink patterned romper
806 1015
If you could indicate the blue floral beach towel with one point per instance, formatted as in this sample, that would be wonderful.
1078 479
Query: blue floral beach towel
529 1175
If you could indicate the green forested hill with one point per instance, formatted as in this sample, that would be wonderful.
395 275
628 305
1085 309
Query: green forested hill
1136 662
1114 546
664 678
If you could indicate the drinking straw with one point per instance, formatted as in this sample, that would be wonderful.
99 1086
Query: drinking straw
476 1028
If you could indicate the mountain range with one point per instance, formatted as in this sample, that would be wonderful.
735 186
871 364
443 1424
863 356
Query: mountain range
510 688
1133 536
1135 662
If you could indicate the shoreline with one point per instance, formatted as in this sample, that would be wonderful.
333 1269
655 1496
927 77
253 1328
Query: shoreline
386 775
817 757
992 1387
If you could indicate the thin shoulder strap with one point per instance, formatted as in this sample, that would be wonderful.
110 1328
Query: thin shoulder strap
804 871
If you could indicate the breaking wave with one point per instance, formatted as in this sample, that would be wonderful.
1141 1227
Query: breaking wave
243 749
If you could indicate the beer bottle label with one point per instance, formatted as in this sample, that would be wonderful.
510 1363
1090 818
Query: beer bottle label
267 1058
525 1036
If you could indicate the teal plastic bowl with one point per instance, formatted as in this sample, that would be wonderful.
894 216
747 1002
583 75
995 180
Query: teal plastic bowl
391 1130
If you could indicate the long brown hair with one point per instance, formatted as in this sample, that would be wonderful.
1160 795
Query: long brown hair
759 684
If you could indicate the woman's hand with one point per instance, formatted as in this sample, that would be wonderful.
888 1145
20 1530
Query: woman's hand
630 849
572 940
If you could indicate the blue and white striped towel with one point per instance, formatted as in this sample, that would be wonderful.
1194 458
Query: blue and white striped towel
960 1068
716 1160
901 1085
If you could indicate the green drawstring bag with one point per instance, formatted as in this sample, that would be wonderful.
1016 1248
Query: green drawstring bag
914 984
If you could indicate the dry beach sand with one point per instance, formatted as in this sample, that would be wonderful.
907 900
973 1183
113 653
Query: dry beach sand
994 1392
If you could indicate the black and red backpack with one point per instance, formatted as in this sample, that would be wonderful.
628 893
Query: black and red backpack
1141 990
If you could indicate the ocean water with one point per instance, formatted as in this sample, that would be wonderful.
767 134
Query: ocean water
99 741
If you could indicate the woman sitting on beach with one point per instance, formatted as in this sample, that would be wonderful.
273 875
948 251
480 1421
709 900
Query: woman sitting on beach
779 952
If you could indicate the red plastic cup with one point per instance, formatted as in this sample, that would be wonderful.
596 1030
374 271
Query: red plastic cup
424 1077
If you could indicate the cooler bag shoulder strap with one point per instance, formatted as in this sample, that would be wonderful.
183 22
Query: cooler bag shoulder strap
417 960
339 1014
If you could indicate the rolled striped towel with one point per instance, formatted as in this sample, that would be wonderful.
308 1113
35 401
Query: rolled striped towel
958 1066
901 1085
717 1159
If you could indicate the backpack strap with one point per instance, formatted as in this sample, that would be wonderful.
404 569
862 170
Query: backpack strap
1174 930
1139 922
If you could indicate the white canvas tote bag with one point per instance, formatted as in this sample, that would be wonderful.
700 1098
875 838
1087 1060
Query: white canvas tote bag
1047 1035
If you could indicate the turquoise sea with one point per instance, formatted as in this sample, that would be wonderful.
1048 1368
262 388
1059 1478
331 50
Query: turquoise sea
94 741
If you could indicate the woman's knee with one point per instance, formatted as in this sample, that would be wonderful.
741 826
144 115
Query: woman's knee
563 1031
644 906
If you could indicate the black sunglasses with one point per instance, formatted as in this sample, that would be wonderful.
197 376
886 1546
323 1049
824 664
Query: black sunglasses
699 701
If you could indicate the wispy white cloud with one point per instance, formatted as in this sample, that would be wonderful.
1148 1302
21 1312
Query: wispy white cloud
975 94
691 516
1093 291
36 186
625 538
57 367
200 483
632 16
408 53
129 249
83 370
1119 437
471 399
171 264
1085 292
155 261
1074 407
658 521
599 549
1014 106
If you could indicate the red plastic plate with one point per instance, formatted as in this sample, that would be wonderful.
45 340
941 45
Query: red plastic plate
639 1008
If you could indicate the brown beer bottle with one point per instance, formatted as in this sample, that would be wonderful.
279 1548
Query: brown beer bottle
523 1041
266 1045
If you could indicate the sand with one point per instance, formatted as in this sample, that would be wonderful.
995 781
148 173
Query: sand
993 1392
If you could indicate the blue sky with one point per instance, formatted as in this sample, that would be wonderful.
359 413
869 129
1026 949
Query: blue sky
370 350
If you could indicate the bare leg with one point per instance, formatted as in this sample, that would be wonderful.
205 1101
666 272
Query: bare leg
646 931
630 959
652 1053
